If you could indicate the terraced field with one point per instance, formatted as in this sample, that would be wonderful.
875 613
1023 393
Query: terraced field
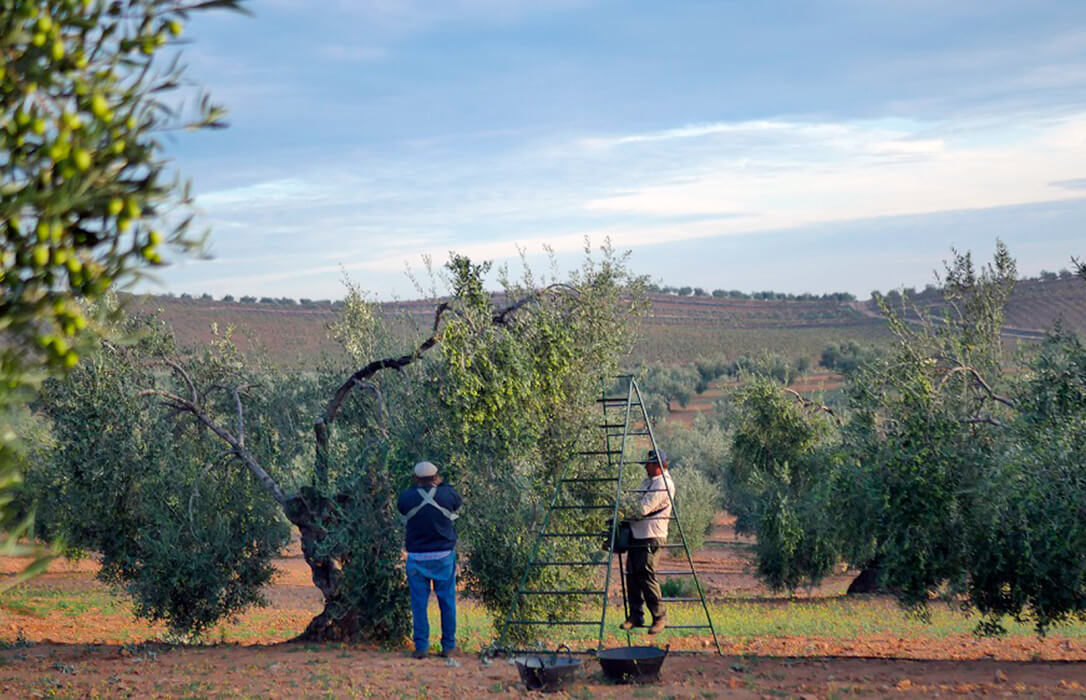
1035 307
677 329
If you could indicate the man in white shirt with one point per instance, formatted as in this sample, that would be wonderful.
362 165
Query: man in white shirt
649 530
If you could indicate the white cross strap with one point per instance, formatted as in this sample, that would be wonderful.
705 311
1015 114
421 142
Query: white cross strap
428 499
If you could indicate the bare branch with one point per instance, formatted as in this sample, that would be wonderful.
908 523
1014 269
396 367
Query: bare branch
236 446
808 403
984 419
980 382
500 318
382 408
1080 267
240 415
217 460
181 372
237 392
331 410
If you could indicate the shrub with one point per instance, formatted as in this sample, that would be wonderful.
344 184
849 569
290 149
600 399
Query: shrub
682 587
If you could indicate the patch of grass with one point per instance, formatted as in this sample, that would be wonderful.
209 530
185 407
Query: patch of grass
831 618
41 602
737 619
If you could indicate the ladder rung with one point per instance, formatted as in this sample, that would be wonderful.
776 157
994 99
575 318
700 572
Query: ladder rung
610 507
575 534
671 546
568 563
582 479
618 435
681 600
554 622
674 573
567 592
611 425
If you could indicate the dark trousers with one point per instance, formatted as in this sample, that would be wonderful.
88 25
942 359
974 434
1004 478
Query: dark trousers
642 588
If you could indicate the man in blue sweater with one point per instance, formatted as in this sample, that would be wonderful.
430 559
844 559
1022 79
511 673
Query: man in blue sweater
429 509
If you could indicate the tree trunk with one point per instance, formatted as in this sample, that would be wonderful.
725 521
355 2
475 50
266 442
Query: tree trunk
337 622
328 627
345 618
867 581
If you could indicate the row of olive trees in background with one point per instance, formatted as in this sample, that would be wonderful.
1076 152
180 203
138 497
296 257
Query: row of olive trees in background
758 296
183 468
945 473
667 386
83 184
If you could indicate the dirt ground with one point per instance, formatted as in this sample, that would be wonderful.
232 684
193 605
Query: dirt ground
294 670
99 650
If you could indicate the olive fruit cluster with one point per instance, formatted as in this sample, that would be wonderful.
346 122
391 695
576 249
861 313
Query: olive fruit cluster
83 187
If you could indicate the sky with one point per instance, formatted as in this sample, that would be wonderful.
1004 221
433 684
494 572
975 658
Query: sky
792 145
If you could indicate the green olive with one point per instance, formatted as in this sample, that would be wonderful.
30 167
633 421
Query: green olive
82 158
99 105
41 255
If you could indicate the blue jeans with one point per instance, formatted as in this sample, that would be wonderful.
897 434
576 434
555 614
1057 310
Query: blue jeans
441 574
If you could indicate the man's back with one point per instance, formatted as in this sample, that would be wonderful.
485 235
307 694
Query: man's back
429 529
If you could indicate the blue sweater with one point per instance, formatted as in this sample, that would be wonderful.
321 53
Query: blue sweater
430 530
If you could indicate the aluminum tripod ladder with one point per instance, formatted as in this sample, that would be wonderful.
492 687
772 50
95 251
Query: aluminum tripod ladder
625 431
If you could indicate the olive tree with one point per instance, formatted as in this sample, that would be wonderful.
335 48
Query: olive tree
778 482
949 475
86 197
497 390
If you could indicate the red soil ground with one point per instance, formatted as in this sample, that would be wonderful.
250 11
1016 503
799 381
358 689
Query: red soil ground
69 653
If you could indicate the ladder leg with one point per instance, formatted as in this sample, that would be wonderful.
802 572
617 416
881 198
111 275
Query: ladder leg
614 514
678 523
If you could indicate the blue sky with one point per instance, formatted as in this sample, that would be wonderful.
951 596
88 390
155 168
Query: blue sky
806 145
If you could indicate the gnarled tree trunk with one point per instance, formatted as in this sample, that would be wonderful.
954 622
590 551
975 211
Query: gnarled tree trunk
867 581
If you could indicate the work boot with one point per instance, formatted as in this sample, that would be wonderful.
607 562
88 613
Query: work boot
658 624
630 623
419 654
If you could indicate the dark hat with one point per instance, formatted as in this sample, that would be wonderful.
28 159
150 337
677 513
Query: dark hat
657 457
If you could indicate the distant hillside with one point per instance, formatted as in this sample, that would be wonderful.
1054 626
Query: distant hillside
1036 306
678 329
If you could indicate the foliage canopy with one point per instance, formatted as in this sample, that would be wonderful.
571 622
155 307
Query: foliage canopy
84 185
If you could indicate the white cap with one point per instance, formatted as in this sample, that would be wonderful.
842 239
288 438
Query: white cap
425 469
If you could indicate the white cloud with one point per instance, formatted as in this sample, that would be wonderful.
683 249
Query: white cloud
674 184
861 170
285 192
